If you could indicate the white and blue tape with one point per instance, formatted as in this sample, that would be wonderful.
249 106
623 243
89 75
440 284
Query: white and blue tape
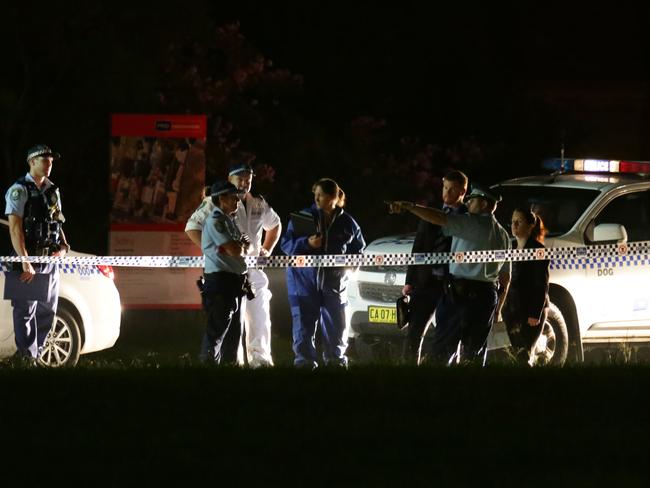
596 256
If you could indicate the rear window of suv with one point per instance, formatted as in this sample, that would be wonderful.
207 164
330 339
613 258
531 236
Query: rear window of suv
559 208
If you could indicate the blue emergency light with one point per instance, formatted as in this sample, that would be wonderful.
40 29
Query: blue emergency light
597 166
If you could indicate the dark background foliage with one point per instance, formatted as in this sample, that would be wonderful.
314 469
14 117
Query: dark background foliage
384 99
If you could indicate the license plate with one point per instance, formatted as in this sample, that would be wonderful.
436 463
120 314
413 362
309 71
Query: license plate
382 315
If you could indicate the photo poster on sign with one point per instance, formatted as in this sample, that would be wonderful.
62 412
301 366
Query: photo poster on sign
157 176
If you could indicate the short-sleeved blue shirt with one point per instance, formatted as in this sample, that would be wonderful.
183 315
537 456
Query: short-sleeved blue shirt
219 229
472 232
17 195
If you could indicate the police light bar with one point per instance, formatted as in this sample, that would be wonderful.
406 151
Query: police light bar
597 165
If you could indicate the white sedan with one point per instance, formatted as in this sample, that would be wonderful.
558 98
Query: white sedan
88 315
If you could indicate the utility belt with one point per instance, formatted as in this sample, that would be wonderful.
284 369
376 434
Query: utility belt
433 283
463 287
43 250
224 281
35 251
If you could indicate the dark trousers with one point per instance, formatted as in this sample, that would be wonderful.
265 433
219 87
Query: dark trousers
464 316
522 336
422 305
222 296
34 319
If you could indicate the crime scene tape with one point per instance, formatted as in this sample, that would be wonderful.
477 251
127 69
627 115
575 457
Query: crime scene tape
594 256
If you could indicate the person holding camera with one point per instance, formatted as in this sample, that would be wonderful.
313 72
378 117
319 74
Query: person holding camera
33 208
225 281
319 295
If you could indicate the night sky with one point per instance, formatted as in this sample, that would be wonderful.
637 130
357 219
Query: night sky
517 80
444 70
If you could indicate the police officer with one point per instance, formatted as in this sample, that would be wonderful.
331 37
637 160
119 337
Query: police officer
475 292
424 283
33 208
225 276
256 219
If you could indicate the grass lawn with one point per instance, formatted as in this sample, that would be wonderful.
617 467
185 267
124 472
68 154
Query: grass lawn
145 413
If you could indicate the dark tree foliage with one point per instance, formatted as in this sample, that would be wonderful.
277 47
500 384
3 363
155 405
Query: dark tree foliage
231 81
383 104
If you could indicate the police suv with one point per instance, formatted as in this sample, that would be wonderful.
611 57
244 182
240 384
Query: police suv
583 202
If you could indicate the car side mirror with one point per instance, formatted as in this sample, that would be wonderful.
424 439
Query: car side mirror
610 232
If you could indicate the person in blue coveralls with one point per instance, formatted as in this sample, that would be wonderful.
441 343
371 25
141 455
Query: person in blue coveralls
319 295
224 248
33 208
475 292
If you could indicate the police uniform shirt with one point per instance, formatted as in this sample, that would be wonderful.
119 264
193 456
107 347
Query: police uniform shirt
198 218
17 196
253 215
219 229
473 232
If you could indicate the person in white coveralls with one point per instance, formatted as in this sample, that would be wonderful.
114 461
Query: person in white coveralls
257 219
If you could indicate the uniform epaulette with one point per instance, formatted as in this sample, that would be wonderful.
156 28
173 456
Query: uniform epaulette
220 221
217 214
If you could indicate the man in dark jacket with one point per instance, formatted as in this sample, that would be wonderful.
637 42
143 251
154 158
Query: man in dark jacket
424 283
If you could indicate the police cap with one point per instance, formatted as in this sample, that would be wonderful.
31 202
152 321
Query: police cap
224 188
41 150
480 191
238 168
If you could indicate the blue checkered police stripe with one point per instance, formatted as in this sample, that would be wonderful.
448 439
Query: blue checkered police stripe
611 255
65 268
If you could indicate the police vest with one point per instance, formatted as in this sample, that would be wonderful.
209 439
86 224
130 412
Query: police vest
42 219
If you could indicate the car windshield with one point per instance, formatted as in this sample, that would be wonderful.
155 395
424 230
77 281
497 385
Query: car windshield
559 208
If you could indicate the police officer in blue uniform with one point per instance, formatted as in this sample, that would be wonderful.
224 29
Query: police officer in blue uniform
475 291
33 208
225 283
424 283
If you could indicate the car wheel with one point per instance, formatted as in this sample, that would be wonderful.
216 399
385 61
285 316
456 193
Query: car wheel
63 343
553 344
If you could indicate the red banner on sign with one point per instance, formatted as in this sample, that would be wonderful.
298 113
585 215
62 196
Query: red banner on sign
136 125
157 172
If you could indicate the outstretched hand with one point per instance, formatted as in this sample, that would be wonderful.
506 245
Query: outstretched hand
398 206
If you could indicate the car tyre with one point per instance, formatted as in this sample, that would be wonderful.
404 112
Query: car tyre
553 345
63 344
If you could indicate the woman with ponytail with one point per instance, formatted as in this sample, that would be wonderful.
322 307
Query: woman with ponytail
526 305
319 295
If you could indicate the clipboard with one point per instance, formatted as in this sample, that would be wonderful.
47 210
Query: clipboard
303 224
36 290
